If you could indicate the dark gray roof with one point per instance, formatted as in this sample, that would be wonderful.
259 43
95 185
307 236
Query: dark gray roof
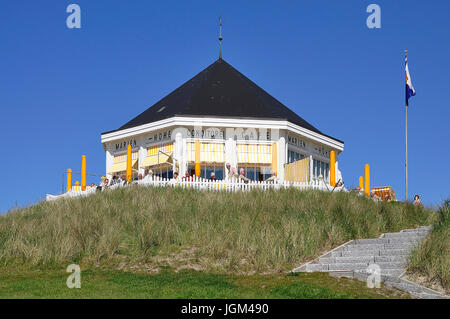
219 91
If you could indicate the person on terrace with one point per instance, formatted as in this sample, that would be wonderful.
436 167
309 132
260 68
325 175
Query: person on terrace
359 191
374 196
187 176
105 184
242 176
272 177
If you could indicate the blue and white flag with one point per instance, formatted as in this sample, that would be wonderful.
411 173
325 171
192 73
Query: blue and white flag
409 87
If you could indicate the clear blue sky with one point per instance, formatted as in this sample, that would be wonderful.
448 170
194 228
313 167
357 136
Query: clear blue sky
60 88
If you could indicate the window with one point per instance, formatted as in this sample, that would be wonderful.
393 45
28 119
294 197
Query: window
321 168
208 168
163 171
255 172
294 156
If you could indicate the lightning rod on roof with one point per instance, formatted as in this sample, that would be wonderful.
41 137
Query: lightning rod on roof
220 37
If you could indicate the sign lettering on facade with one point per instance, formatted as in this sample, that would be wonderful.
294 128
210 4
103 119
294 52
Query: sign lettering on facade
124 144
296 141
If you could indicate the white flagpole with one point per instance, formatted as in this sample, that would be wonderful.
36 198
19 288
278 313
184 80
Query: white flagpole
406 134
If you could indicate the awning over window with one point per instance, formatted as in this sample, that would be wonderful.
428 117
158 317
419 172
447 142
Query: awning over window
158 154
165 148
158 159
254 153
191 151
120 162
209 152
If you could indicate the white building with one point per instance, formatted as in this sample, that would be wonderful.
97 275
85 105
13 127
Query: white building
226 118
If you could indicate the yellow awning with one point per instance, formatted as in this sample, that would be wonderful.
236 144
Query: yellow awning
157 159
212 152
254 153
209 152
121 166
165 148
191 152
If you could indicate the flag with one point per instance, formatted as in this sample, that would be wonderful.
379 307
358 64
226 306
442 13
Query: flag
409 87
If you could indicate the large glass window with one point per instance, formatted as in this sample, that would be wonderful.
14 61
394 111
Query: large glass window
294 156
163 171
320 168
208 168
256 172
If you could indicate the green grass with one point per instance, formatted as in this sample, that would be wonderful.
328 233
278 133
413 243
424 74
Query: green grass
432 258
150 228
185 284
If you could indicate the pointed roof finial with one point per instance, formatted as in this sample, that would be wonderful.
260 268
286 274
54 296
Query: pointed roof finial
220 37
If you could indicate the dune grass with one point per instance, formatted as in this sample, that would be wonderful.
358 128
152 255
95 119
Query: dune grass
432 258
144 229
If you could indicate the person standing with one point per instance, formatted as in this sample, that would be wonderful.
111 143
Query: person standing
417 201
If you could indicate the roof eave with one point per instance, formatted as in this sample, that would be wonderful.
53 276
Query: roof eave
188 120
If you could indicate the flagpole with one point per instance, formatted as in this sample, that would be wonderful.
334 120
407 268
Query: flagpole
406 138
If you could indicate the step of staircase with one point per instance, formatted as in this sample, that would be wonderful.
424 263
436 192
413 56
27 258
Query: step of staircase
379 252
394 240
406 245
354 266
405 234
358 259
423 228
390 252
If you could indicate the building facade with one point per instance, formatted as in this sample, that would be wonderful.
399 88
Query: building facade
219 117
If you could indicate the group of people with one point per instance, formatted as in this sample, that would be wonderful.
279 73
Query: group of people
360 192
116 180
387 197
231 174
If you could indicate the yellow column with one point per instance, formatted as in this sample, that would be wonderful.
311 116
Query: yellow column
83 173
332 169
197 158
367 179
129 171
69 179
274 157
361 182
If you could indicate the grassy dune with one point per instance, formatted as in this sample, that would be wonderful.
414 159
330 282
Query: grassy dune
144 229
432 258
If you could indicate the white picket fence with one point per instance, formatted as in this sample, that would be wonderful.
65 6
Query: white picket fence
72 193
197 183
227 185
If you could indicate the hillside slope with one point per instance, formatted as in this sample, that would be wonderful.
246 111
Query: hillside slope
430 262
144 229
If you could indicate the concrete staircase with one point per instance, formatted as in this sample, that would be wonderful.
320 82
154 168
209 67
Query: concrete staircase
390 252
